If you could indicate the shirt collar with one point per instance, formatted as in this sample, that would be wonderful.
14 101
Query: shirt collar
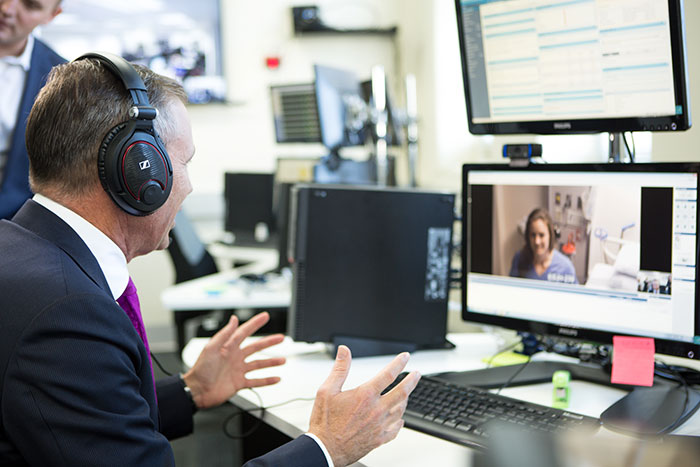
109 256
25 58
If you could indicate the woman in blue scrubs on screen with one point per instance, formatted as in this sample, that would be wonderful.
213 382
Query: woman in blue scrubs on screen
538 259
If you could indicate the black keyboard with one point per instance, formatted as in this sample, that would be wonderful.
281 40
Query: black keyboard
472 416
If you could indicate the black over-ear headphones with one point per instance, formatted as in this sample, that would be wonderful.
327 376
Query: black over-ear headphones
133 165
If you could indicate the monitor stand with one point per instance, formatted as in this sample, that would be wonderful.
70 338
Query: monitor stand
644 411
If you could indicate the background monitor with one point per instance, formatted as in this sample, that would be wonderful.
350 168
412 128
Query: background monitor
370 267
295 113
342 111
394 133
573 67
249 207
179 38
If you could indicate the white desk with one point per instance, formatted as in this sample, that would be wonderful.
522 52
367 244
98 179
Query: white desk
259 255
308 365
227 290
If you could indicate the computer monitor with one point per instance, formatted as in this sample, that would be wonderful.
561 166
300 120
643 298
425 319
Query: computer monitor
342 111
295 113
584 252
249 202
537 66
370 267
394 134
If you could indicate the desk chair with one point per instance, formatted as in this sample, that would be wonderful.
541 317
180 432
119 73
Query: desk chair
189 255
191 261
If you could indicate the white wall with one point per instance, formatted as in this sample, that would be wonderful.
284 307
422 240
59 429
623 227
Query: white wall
240 136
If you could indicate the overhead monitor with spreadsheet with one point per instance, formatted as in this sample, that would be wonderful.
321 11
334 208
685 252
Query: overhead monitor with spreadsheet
573 66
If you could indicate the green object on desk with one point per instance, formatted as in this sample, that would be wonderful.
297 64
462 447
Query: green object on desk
561 391
215 289
505 359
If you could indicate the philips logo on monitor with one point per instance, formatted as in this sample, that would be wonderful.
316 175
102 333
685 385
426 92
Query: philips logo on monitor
143 165
562 125
568 332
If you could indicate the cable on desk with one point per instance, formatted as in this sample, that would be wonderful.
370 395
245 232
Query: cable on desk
262 410
513 376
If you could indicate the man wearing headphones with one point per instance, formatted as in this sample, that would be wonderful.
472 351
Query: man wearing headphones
76 382
25 61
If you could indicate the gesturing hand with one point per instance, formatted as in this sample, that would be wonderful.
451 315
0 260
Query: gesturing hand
220 371
352 423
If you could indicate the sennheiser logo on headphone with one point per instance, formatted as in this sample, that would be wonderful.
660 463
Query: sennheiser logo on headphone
145 164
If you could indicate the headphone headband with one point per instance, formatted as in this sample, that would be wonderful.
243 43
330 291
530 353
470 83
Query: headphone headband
133 165
125 72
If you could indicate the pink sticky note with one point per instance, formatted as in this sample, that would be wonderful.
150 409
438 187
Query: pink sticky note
633 361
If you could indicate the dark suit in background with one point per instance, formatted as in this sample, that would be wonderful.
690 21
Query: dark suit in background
75 381
14 186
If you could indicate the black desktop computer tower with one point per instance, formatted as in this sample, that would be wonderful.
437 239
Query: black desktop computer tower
370 267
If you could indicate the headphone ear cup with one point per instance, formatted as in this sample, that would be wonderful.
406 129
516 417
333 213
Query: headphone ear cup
102 165
134 169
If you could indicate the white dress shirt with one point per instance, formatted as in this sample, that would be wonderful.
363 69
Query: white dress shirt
13 76
109 256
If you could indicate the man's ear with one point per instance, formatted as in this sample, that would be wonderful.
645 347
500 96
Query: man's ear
55 13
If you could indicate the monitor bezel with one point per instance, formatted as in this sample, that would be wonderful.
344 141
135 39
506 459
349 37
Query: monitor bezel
592 125
664 346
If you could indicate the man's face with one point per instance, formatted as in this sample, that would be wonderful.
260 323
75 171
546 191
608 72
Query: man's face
157 226
18 18
539 237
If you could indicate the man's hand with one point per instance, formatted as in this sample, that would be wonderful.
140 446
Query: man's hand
352 423
220 371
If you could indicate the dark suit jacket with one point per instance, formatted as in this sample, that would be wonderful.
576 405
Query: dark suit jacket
14 186
75 381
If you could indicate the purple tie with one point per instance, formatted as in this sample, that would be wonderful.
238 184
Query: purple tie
129 301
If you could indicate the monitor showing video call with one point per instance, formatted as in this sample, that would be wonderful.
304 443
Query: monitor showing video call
579 248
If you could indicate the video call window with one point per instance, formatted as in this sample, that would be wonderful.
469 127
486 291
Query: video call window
554 246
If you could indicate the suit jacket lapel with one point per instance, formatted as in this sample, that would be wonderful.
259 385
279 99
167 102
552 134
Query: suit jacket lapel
36 218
